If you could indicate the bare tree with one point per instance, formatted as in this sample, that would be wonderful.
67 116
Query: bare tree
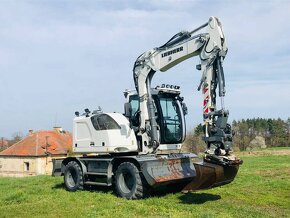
16 137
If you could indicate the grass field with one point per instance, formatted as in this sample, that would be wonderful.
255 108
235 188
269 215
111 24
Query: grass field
261 189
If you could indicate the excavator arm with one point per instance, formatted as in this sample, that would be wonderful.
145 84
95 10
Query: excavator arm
211 48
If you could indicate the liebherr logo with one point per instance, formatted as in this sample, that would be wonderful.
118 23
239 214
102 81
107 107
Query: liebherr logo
165 54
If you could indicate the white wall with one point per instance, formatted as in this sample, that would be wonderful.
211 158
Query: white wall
16 166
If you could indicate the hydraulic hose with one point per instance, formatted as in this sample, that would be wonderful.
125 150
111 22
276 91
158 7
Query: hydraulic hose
221 77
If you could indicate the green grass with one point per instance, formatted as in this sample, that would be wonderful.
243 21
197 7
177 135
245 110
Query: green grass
261 189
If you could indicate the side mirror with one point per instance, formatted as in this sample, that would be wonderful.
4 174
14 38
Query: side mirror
128 110
184 108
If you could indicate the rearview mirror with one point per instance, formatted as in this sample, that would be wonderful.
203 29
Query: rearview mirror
184 108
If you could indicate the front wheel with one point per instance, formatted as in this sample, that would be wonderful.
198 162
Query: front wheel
129 182
73 176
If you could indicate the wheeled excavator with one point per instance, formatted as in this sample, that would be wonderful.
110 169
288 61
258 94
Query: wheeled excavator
140 149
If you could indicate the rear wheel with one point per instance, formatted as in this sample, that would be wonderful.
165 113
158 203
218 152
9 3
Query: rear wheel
73 177
129 182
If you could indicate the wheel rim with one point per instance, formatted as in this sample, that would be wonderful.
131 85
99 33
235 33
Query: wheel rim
71 178
127 181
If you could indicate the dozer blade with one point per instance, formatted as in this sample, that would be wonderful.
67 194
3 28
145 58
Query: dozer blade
164 171
189 170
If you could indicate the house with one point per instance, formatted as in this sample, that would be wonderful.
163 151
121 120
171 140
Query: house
33 155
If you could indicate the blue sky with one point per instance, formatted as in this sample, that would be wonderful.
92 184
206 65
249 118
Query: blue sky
57 57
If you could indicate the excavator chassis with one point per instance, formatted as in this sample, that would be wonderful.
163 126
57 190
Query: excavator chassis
184 170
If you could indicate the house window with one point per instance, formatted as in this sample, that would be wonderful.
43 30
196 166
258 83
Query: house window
26 166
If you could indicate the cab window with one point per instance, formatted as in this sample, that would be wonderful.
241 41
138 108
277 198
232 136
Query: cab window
104 122
134 101
171 120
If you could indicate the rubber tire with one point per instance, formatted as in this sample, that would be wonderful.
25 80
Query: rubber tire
129 183
73 177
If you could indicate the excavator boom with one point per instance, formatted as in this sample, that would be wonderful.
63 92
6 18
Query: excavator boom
211 48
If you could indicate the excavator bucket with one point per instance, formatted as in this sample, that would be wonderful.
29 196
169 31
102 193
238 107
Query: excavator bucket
209 175
190 171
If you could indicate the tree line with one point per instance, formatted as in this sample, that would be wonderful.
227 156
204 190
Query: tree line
273 133
276 132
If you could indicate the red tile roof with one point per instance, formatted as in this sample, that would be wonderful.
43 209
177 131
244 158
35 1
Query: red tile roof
41 143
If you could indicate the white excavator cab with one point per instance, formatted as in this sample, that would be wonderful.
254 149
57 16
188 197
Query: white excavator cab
169 115
115 133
